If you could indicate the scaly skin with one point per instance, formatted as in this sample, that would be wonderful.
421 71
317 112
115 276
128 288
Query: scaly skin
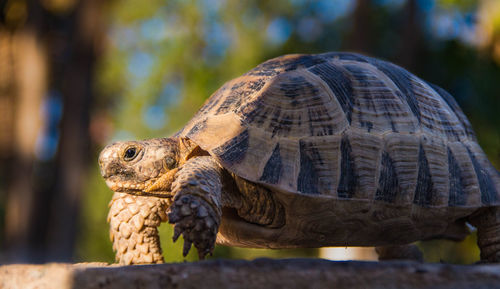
133 228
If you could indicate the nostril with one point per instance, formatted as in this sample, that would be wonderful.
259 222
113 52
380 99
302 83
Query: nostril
103 171
99 159
104 156
101 165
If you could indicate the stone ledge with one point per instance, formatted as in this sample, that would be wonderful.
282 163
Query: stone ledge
260 273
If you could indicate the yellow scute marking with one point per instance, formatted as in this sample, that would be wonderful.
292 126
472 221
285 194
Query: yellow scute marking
218 130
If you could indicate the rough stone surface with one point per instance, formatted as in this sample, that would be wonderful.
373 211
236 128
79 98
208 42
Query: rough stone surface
260 273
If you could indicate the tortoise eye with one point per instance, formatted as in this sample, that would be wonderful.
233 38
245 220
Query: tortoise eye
130 154
170 162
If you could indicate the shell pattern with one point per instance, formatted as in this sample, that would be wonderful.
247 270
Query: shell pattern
346 126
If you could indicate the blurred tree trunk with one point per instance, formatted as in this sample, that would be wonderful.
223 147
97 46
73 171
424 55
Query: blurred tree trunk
410 45
360 38
52 56
23 81
75 75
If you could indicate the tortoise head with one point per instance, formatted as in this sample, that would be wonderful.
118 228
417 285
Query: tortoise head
136 166
145 167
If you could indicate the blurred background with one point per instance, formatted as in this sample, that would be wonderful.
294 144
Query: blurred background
76 75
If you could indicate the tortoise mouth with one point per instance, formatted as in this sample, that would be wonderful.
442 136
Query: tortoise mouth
137 189
124 186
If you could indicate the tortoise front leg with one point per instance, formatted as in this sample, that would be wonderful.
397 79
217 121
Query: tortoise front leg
487 222
133 228
196 210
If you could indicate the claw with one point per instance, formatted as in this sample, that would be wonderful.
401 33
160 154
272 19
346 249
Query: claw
195 221
177 233
187 247
201 254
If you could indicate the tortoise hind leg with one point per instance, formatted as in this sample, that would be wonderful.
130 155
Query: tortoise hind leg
487 222
399 252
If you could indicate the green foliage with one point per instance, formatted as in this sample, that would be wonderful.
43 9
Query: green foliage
446 251
458 4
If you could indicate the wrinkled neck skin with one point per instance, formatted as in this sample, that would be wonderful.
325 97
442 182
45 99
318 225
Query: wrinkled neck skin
148 167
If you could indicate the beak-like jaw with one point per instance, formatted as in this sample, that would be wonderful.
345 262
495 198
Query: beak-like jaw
125 187
158 187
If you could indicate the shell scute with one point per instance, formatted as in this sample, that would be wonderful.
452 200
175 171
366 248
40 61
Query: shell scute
486 175
293 104
457 194
468 178
274 167
377 107
388 185
403 80
402 163
453 105
348 182
340 84
365 152
233 151
321 155
433 174
307 180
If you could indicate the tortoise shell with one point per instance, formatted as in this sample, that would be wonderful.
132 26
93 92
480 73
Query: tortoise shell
346 126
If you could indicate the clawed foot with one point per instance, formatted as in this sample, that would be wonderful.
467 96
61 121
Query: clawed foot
195 219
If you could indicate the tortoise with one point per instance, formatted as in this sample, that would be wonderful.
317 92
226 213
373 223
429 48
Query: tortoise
333 149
